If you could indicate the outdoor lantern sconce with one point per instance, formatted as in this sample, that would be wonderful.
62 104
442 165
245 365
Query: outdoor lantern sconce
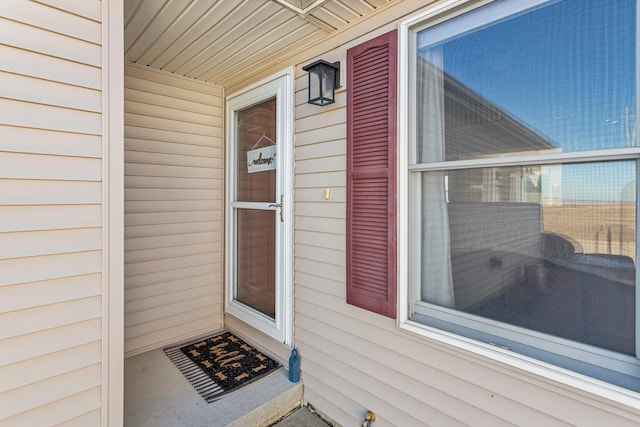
324 78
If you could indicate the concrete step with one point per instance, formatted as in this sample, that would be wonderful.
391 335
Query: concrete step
274 406
304 417
157 395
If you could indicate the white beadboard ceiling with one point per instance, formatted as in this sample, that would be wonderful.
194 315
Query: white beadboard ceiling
226 41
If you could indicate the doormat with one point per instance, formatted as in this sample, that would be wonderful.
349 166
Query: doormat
220 365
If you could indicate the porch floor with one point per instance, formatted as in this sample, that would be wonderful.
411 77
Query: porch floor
157 394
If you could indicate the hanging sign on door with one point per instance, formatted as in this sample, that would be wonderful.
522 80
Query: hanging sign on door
261 159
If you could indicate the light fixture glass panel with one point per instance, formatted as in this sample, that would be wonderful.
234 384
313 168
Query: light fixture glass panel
328 77
314 85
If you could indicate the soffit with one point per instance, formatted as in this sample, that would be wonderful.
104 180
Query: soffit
226 41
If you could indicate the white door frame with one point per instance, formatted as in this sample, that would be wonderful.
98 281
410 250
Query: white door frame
112 388
280 86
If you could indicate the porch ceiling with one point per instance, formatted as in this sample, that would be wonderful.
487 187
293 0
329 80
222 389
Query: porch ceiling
226 41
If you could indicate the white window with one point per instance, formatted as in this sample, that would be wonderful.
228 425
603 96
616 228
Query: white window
520 187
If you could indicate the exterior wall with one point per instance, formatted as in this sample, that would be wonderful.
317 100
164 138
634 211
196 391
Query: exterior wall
53 206
173 208
353 360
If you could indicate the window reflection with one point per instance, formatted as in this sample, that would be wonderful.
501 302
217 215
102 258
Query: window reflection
528 85
550 248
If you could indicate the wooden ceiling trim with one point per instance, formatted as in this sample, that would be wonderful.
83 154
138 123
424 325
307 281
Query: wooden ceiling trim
330 18
360 7
300 10
320 24
343 10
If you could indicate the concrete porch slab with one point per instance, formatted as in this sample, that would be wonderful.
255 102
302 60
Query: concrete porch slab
157 394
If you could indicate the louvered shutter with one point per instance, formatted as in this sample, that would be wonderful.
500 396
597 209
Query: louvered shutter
371 184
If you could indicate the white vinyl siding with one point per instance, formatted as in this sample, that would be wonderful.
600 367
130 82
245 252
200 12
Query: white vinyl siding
50 213
173 208
353 360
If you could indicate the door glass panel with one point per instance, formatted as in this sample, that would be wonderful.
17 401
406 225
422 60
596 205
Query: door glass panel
256 153
256 259
256 228
258 285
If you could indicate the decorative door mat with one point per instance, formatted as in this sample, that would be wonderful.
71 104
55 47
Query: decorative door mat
221 364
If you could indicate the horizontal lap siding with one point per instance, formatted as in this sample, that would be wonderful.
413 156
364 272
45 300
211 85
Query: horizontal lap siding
173 209
353 360
337 362
50 212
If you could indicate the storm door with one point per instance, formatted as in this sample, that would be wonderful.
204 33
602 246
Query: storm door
258 207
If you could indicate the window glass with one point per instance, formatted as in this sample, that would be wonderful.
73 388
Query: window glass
542 246
556 78
550 248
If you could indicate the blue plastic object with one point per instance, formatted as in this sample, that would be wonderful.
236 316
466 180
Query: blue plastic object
294 366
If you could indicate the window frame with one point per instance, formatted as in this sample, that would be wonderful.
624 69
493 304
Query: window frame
446 328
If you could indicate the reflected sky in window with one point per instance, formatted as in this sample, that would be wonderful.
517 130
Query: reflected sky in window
567 70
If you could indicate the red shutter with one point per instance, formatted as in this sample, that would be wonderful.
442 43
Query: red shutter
371 184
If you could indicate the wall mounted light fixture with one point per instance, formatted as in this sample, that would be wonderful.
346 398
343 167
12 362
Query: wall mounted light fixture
324 78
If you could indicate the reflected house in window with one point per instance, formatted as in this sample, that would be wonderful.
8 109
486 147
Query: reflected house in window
495 214
476 127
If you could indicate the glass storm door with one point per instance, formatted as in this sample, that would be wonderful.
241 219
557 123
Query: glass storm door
258 192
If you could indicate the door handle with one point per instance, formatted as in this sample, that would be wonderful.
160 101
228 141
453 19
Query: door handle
279 205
